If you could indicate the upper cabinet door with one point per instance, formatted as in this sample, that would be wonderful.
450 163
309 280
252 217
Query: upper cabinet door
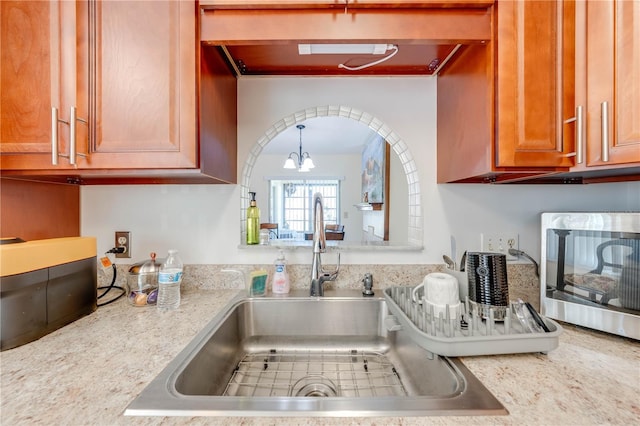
535 83
37 48
141 85
119 75
612 34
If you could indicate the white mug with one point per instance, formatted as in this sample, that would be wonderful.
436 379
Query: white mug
438 288
463 282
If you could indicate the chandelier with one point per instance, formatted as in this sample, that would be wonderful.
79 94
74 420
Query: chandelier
304 162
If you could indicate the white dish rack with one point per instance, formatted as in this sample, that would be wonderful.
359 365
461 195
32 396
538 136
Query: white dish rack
470 334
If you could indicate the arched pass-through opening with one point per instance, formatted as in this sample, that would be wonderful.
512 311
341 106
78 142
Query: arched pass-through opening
415 233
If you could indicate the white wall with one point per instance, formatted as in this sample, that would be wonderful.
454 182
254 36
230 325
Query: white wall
202 221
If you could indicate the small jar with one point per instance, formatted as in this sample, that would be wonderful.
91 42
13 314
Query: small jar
142 282
264 237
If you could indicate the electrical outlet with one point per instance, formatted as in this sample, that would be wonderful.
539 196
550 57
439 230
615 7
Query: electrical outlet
123 239
500 243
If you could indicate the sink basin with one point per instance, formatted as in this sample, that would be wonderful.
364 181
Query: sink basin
302 356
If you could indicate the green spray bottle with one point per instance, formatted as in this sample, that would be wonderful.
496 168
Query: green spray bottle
253 221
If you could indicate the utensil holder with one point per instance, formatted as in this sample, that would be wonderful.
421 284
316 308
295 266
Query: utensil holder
488 283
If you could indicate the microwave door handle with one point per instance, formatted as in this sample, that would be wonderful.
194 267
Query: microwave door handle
562 240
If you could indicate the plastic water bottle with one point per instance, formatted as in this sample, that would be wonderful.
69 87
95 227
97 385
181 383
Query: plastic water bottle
169 279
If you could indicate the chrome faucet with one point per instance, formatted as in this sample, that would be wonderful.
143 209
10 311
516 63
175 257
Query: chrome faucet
318 275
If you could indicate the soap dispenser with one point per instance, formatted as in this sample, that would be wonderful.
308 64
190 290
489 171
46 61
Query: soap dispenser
253 221
280 277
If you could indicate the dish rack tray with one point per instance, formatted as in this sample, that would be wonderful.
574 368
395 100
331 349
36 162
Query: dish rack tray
468 335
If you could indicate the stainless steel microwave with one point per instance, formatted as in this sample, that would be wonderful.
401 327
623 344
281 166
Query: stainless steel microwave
590 270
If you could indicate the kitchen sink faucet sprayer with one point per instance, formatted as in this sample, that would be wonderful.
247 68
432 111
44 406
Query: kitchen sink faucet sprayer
318 275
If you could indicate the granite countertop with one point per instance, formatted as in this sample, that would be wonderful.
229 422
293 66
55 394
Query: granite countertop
89 371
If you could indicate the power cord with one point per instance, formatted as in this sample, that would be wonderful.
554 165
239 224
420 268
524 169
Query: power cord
370 64
520 253
113 281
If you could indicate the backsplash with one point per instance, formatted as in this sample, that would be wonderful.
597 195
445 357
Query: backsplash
522 280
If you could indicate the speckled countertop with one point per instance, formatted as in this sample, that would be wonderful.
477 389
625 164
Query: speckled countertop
89 371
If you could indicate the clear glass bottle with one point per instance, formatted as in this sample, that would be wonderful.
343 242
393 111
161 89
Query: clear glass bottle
169 279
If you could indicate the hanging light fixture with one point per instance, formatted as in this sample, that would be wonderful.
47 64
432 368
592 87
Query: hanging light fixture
303 159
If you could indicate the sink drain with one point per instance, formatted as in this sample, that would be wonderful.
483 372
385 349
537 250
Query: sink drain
314 386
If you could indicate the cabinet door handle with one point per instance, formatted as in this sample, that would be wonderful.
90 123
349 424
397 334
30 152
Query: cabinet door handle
604 106
579 134
55 153
54 136
73 151
72 136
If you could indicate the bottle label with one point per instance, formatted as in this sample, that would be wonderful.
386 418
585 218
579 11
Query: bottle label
280 284
169 277
280 268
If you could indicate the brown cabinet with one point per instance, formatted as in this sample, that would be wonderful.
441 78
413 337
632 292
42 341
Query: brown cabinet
339 4
554 97
35 45
142 100
505 107
38 210
535 83
128 70
608 34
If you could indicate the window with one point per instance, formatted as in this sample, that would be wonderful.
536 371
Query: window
291 203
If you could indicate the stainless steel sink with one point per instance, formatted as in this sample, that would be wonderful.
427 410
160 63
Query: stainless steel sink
302 356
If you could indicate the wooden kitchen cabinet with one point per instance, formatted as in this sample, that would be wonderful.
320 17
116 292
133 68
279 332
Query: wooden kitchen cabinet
502 106
133 79
608 35
339 4
535 83
38 210
37 48
143 97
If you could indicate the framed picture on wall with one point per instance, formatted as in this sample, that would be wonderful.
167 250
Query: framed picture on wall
374 170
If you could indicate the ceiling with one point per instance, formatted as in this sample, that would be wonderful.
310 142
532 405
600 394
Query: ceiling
322 136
